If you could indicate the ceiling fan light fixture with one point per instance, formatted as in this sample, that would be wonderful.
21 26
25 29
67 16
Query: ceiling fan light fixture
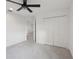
10 9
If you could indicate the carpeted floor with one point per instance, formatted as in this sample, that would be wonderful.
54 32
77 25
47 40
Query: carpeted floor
30 50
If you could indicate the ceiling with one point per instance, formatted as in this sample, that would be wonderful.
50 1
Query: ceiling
46 6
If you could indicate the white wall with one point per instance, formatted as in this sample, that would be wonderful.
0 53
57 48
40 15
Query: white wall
57 31
71 30
17 28
53 31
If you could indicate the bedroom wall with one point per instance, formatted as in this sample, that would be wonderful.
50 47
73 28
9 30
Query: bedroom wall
17 28
53 31
71 29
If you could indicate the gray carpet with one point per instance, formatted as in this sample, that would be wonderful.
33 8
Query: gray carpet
30 50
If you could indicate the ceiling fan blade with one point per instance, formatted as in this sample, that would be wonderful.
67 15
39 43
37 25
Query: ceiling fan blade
29 9
19 9
14 2
34 5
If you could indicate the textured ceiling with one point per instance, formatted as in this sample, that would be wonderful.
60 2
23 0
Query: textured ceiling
46 6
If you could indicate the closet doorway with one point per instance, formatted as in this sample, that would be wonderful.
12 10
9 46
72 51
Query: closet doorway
31 29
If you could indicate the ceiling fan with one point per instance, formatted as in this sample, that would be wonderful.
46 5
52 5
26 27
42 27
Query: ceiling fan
25 5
